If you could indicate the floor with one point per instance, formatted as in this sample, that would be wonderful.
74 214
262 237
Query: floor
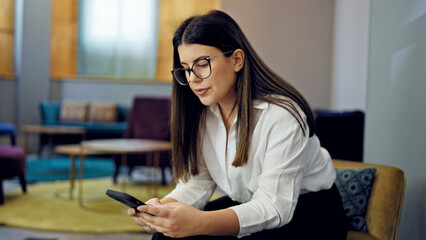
8 233
11 233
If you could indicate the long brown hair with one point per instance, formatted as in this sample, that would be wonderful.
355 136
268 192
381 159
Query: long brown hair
254 81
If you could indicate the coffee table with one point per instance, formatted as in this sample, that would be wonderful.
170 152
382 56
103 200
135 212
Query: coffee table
123 147
73 151
50 130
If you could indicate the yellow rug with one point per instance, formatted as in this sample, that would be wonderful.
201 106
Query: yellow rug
47 207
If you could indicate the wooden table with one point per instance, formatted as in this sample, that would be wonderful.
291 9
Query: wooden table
73 151
50 130
129 146
123 147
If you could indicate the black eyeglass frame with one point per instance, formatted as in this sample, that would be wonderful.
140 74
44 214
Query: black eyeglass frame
189 70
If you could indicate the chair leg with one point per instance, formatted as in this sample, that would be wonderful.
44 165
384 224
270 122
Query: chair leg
115 174
163 176
13 139
1 192
129 173
23 182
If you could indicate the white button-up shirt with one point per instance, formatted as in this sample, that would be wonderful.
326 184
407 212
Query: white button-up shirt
283 163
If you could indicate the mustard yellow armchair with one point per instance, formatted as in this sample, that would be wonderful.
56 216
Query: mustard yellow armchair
385 202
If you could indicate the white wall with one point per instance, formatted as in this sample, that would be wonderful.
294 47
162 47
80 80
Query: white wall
122 93
294 37
396 102
350 53
32 58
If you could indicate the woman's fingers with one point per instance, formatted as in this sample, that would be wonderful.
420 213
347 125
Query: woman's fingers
159 211
131 212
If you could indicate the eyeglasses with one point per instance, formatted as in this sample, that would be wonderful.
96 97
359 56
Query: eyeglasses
201 68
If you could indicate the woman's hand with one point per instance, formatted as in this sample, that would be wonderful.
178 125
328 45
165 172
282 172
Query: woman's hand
172 219
139 219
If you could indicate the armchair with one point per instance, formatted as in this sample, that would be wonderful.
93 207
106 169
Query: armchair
149 119
12 160
385 202
341 133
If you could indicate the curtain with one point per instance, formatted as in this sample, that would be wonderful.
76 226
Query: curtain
117 38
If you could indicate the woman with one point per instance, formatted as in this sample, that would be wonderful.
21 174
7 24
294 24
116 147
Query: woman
238 126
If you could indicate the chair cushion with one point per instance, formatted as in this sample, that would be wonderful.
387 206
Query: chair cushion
102 112
12 161
7 128
354 187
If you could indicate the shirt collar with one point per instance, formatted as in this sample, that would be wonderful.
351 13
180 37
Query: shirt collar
258 104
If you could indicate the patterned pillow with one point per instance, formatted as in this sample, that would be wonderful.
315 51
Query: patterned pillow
354 187
73 111
102 112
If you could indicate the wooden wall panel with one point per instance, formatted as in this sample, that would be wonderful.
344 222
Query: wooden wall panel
171 14
63 47
7 10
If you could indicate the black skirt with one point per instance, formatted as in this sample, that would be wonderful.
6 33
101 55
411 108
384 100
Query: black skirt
318 215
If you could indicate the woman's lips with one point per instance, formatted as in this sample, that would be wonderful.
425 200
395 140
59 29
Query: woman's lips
201 91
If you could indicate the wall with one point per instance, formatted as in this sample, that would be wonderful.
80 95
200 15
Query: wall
122 93
396 113
294 37
32 58
350 53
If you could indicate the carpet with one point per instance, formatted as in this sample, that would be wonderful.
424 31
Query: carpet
44 207
57 168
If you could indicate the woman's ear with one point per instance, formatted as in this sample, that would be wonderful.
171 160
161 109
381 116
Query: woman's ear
239 57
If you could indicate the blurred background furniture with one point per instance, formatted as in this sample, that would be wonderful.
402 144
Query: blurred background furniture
9 130
385 202
12 160
51 131
149 119
341 133
100 120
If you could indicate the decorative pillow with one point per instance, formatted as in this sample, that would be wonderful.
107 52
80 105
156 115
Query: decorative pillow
73 111
102 112
354 187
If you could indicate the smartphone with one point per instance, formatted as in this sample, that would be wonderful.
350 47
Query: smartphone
125 198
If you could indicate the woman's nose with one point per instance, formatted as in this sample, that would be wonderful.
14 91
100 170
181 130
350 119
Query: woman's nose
193 78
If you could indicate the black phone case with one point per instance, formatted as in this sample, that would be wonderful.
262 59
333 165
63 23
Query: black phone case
125 198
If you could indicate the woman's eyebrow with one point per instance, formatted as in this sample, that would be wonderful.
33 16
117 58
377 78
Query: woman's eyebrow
197 59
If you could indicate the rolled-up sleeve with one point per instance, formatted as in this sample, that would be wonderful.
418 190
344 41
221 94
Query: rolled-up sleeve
273 203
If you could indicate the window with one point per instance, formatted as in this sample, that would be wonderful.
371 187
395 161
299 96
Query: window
117 38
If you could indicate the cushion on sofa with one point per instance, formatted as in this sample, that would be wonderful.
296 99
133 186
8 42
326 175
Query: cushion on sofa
102 112
73 111
354 187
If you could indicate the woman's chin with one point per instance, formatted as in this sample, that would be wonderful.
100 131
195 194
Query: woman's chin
206 101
